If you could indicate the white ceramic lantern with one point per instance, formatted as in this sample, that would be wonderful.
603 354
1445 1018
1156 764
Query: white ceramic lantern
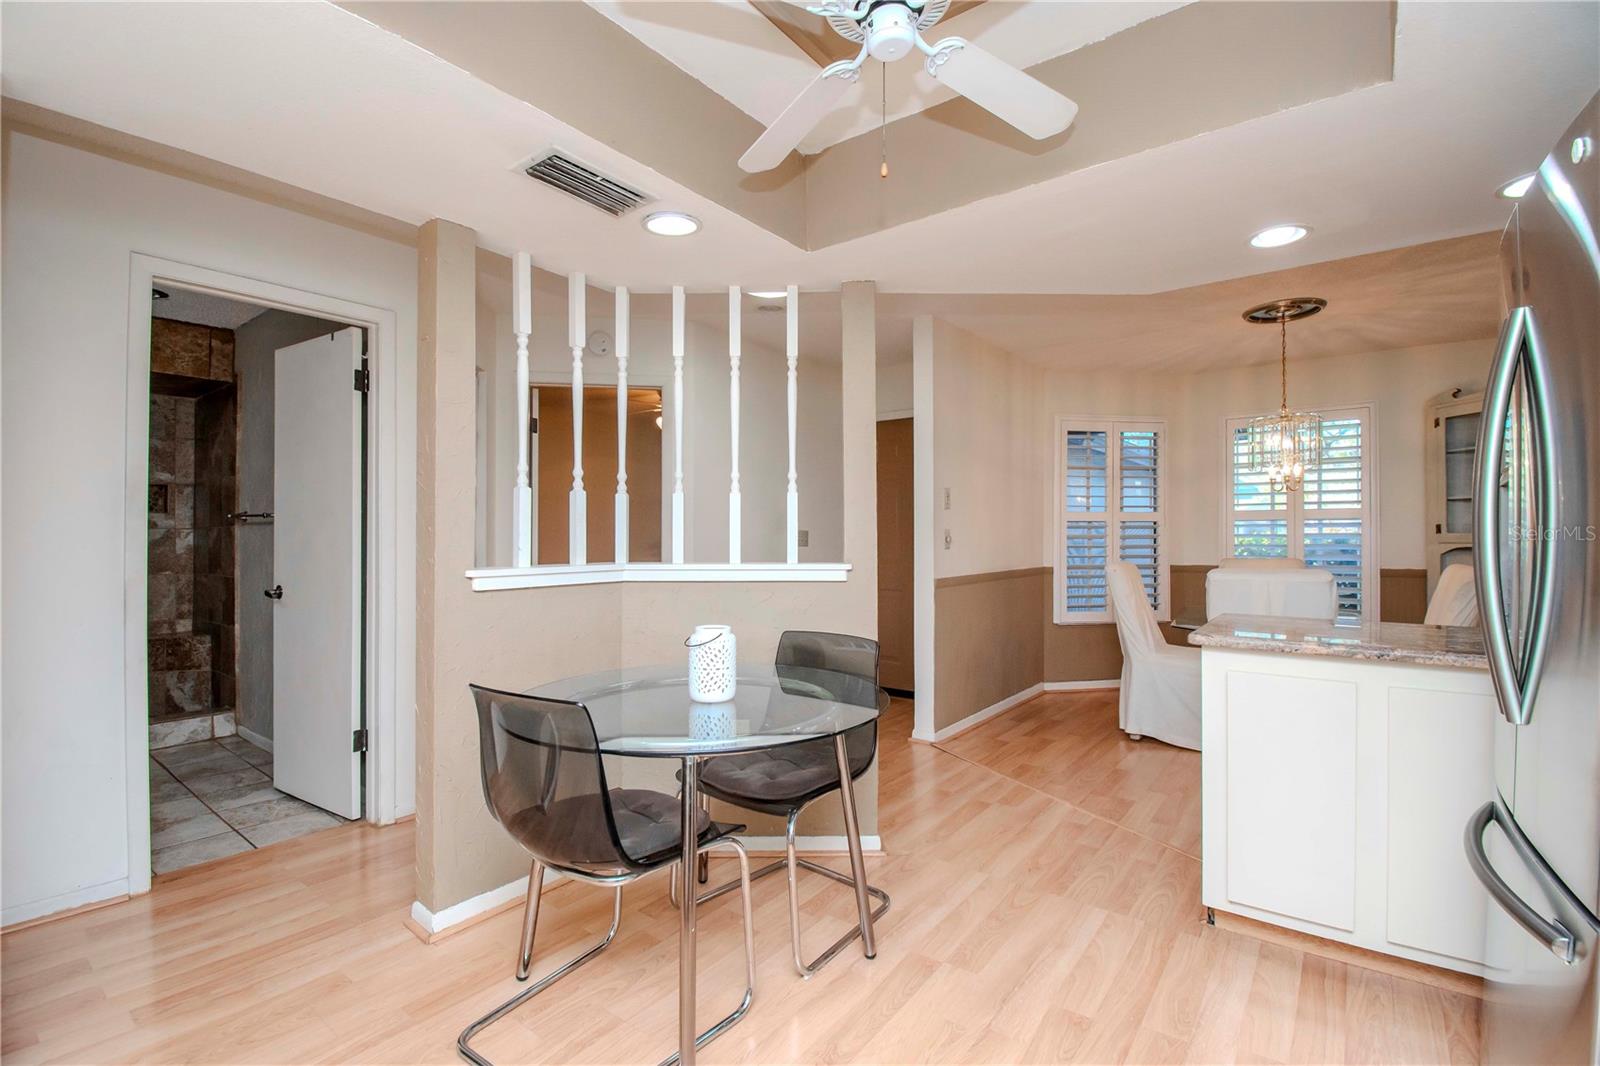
713 664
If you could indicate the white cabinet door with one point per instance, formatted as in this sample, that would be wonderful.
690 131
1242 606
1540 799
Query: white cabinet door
1291 822
1441 751
316 560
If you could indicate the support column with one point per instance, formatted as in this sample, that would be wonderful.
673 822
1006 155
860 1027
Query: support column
446 481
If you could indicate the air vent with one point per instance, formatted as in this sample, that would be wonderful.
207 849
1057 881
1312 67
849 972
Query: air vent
587 184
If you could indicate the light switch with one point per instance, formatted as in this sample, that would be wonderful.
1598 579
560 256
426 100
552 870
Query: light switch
804 538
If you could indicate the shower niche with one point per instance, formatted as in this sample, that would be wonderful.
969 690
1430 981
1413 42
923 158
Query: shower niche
193 625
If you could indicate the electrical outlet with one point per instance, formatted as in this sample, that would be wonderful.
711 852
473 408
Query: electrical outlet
947 499
947 540
804 538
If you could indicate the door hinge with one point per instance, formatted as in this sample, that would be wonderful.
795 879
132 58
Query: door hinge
533 425
363 378
1435 423
358 740
364 336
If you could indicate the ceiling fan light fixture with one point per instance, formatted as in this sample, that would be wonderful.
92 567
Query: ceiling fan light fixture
1279 235
1516 188
671 223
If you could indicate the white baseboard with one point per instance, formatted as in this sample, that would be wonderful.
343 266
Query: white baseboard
264 743
1012 701
825 845
434 923
1081 686
66 901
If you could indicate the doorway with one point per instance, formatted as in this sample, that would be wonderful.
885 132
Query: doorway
896 633
256 575
550 471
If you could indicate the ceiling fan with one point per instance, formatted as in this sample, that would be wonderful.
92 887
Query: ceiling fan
889 30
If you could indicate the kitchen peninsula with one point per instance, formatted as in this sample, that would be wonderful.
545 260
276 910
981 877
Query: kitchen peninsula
1340 761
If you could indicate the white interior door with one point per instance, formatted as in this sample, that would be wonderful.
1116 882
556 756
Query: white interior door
316 561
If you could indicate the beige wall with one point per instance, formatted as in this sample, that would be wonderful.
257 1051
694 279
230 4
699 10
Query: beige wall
989 644
516 639
988 455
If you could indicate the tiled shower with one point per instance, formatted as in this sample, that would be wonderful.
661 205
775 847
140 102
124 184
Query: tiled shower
193 636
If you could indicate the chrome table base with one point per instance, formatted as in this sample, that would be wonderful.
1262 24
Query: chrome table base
525 957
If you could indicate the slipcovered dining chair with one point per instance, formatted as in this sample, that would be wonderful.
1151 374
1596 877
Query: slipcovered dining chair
1270 562
545 783
785 781
1160 694
1455 598
1261 562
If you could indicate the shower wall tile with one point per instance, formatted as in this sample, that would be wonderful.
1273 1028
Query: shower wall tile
180 348
193 462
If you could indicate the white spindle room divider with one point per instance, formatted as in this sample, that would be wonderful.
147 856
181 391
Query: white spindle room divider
577 501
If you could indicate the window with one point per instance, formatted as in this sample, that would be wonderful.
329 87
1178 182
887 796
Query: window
1110 478
1330 522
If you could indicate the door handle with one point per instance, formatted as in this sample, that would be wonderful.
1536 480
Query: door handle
1557 938
1516 683
274 593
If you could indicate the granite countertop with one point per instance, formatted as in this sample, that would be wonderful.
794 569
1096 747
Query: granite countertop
1397 642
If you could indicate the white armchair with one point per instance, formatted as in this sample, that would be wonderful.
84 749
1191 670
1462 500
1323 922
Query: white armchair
1160 682
1455 598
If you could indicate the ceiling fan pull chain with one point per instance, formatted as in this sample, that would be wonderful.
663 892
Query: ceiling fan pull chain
883 125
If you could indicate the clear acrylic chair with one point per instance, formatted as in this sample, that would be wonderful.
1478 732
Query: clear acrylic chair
785 781
545 783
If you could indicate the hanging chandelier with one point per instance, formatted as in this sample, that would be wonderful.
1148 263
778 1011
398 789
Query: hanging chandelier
1287 444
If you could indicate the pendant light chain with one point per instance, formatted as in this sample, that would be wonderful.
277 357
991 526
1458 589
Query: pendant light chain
1283 362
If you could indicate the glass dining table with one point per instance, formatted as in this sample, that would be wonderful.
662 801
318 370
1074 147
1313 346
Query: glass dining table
646 712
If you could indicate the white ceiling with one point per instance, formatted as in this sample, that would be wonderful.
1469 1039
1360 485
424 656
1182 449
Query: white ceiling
738 53
312 95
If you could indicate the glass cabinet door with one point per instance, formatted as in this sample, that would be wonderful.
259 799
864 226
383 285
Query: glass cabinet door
1460 450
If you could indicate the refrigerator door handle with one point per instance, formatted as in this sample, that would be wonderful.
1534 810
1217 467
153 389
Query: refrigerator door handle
1515 683
1548 931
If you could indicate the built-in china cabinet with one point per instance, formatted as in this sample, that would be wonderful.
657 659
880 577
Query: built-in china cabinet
1450 427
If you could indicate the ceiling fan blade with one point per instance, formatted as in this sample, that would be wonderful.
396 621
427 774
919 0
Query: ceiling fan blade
1001 89
798 119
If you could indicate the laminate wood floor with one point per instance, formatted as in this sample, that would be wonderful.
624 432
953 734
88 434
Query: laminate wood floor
1026 927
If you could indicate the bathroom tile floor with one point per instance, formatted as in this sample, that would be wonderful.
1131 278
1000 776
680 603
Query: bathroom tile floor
214 798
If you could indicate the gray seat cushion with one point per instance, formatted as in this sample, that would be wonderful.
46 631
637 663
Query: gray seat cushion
648 822
647 826
780 776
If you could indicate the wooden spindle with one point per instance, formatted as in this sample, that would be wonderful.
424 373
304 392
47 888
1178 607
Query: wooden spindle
792 350
622 426
677 424
578 500
522 491
734 507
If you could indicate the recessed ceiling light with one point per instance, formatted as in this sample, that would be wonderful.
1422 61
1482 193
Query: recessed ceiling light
1278 236
1517 188
671 223
768 294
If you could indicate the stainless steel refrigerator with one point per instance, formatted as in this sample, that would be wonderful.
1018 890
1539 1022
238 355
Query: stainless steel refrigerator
1535 845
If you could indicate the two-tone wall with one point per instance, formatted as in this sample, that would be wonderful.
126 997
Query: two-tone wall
992 536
